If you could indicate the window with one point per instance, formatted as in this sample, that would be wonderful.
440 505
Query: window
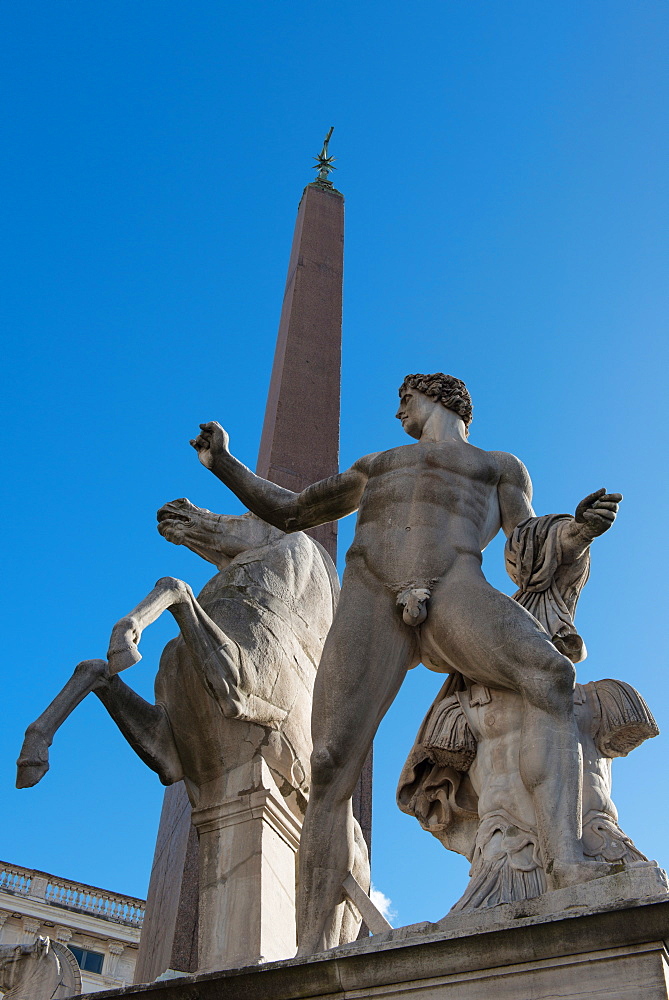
89 961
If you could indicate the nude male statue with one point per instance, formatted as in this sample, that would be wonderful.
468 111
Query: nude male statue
413 591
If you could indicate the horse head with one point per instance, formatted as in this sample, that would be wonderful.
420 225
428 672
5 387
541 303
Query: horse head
218 538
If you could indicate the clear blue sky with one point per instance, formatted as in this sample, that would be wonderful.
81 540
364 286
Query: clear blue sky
505 171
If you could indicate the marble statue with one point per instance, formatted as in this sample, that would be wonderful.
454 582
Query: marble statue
413 591
462 782
44 970
231 717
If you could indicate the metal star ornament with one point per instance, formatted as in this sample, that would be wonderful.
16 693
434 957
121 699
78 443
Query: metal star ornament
324 163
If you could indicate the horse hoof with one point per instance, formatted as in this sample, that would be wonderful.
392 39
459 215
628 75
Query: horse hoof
123 651
33 762
29 772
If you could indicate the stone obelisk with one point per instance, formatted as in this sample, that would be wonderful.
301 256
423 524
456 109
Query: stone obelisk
300 438
299 445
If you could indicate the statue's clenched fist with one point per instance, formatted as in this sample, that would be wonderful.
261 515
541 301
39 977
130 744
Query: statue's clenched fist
597 512
211 443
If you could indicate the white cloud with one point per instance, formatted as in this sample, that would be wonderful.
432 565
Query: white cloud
382 903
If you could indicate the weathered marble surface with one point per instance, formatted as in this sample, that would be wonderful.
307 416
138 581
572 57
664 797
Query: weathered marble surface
602 943
231 718
462 782
45 970
413 592
303 396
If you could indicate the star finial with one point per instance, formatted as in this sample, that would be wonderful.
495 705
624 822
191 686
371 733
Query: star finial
324 163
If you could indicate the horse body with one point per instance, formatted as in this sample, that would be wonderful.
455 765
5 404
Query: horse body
275 602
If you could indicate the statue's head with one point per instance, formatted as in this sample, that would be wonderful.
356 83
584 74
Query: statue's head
448 390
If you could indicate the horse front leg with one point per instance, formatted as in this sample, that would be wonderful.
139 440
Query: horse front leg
145 726
219 659
33 762
127 632
213 652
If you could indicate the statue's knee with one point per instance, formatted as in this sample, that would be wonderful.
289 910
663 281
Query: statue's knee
92 670
323 767
551 687
564 676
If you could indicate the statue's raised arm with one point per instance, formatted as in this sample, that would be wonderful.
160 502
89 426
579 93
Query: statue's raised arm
325 501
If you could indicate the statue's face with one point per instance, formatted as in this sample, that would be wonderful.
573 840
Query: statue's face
414 410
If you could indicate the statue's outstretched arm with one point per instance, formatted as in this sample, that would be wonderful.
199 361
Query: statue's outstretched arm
325 501
594 515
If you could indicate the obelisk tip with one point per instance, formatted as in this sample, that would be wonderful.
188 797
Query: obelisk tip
324 163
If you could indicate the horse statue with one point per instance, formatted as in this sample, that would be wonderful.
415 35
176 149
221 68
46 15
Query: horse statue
45 970
232 699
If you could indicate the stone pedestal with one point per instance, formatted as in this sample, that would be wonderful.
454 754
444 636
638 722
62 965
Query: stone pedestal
248 846
612 950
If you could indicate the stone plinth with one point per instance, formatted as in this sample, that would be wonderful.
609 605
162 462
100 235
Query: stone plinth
515 952
248 847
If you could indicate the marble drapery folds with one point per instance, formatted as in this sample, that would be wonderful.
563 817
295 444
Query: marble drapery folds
549 585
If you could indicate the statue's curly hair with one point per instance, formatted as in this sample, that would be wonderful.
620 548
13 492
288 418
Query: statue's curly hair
449 390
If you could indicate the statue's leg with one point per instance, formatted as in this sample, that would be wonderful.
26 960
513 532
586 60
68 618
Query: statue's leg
365 659
33 762
493 640
145 726
350 922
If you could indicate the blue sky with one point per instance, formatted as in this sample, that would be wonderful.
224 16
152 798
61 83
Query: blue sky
504 166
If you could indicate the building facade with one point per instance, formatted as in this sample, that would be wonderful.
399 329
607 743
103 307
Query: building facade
101 928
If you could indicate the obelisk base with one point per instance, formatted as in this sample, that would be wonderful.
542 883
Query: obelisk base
508 953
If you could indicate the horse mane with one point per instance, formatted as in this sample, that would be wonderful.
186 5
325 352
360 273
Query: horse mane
259 556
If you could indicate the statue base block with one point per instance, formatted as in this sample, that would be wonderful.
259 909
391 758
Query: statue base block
613 949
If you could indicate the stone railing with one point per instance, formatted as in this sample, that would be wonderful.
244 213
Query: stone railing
15 880
71 895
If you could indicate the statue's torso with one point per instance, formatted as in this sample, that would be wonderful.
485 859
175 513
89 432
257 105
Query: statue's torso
425 506
495 772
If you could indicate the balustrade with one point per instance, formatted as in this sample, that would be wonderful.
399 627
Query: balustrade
74 895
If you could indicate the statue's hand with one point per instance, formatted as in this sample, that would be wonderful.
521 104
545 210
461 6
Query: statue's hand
211 443
597 512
